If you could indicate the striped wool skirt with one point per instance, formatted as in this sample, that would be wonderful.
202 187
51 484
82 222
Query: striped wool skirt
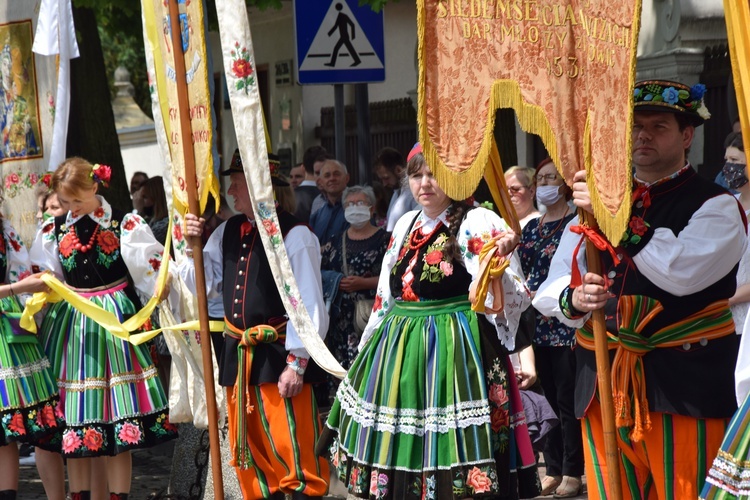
729 476
425 411
29 407
110 392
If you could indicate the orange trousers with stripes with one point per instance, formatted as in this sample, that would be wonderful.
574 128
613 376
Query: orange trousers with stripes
282 433
671 462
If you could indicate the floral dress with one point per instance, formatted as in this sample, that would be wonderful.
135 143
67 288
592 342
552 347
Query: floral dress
363 258
428 406
29 407
110 391
538 246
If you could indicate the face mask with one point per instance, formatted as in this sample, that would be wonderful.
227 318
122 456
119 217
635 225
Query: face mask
547 195
357 216
735 174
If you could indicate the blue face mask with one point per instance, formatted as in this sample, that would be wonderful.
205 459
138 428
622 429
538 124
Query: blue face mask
735 174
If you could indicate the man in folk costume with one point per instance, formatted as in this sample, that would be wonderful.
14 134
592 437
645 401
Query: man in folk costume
273 419
664 291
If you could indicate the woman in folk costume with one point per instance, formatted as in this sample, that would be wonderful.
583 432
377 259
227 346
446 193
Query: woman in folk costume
110 392
29 406
430 407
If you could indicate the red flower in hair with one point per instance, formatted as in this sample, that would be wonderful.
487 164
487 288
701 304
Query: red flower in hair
101 174
47 179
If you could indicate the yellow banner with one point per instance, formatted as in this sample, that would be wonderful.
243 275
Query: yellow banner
737 15
567 68
158 40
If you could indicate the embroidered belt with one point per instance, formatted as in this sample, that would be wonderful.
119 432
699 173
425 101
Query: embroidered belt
118 285
249 338
637 311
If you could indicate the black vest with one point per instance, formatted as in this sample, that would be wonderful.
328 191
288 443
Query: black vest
695 382
251 298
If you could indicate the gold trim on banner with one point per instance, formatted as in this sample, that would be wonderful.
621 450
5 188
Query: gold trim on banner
737 15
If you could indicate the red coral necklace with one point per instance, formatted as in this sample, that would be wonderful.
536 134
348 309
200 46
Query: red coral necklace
417 239
77 243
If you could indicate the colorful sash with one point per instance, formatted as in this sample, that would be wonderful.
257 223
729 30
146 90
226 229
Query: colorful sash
636 311
248 339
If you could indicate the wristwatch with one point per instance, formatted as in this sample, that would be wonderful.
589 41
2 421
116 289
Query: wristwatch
299 365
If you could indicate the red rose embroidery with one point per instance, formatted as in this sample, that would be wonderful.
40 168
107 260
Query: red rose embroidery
108 242
48 228
475 245
71 442
378 304
169 426
498 419
155 264
434 257
16 424
16 246
638 226
2 244
99 213
178 232
478 481
129 225
270 227
45 417
129 433
67 245
242 68
93 440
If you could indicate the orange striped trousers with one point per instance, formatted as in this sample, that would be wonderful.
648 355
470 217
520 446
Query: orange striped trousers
282 433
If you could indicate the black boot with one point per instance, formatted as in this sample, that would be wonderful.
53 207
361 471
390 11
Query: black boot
80 495
118 496
279 495
8 495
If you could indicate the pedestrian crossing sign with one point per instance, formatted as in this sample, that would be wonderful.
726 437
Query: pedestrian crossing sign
338 42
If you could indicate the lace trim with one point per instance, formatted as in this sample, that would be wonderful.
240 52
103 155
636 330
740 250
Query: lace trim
410 420
349 455
24 371
103 383
730 474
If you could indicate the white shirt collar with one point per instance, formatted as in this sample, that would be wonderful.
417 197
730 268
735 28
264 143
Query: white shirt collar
307 183
102 215
429 224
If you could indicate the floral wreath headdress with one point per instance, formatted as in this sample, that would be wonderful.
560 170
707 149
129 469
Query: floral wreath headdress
675 97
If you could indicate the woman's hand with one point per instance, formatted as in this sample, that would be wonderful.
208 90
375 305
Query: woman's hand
194 225
30 284
507 242
592 294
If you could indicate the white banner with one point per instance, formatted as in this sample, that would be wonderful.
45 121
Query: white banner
239 68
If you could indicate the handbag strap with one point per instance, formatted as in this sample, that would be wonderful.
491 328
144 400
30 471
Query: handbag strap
343 254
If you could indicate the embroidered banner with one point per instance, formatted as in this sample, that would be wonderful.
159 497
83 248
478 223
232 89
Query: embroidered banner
160 58
566 67
28 95
737 14
239 68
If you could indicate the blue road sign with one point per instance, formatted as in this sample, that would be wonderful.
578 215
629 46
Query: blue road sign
338 42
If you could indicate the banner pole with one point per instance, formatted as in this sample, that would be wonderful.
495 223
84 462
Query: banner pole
603 373
196 245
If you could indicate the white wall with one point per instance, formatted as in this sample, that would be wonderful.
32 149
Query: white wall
142 158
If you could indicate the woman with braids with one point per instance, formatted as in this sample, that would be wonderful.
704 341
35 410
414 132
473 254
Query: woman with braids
110 392
427 406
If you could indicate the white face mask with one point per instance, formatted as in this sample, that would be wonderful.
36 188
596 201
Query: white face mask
547 195
357 216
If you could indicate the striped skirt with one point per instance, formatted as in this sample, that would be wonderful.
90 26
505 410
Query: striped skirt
29 409
111 395
424 411
729 476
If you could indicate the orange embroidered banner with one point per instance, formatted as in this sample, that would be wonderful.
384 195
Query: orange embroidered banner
567 68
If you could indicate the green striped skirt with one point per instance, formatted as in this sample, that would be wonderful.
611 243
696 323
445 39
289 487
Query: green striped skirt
413 418
28 394
110 391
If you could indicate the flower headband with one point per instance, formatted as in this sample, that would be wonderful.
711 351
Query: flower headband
665 95
47 180
101 174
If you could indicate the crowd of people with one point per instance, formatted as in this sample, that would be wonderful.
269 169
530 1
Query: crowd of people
444 360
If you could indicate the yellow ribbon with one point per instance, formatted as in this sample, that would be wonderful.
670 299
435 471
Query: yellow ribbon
491 268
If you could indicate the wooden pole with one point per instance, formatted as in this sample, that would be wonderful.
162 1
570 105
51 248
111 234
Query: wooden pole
185 134
603 373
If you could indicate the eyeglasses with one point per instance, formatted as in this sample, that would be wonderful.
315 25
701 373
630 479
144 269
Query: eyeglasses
516 189
359 203
547 177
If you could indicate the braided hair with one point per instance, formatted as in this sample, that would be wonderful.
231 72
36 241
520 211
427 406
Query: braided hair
456 213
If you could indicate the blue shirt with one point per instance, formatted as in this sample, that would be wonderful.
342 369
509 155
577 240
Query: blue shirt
328 221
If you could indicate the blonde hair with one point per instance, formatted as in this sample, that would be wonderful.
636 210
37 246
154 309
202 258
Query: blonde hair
285 196
72 176
526 175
